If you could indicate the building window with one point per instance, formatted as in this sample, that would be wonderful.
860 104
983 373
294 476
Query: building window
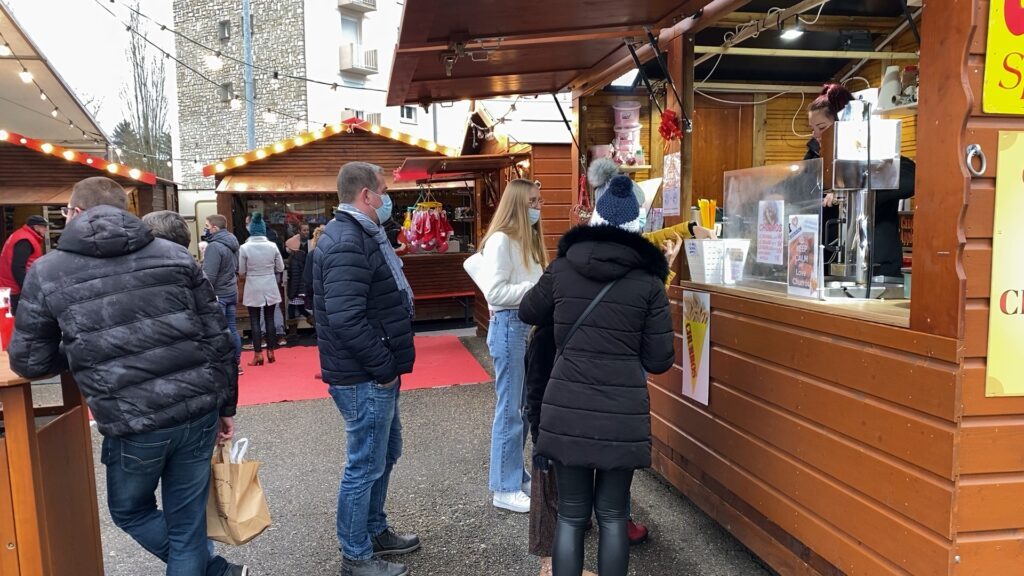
373 118
224 30
226 91
351 30
408 114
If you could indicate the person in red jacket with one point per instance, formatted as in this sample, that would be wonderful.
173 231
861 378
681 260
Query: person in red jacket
22 248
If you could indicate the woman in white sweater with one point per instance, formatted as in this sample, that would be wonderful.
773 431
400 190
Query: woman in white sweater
515 257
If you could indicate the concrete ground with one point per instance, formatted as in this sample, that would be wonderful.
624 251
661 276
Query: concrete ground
438 490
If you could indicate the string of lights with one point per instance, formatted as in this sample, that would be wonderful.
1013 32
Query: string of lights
28 78
270 115
215 57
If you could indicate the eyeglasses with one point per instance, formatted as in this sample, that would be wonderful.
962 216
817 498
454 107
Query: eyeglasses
536 202
66 211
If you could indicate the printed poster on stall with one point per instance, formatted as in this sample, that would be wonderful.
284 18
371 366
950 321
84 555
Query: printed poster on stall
1004 376
1003 90
697 341
771 240
803 256
670 193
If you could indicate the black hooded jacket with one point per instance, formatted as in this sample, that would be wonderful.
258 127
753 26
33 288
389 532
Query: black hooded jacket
134 319
596 410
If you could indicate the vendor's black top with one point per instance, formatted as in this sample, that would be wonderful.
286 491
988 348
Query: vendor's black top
888 252
596 410
134 319
362 325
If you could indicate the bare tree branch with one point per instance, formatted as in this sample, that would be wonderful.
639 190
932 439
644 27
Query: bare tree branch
146 106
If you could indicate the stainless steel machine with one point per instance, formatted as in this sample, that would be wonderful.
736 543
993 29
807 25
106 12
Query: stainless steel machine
860 155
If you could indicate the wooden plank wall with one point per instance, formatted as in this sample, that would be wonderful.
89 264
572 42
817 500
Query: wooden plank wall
829 444
990 515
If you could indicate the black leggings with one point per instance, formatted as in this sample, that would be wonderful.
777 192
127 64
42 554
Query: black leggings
580 491
254 325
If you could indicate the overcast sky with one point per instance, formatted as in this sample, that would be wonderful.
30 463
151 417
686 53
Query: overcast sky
86 45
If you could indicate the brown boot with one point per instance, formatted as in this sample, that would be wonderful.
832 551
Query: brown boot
257 360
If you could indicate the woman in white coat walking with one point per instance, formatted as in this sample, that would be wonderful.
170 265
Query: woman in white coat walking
259 263
515 257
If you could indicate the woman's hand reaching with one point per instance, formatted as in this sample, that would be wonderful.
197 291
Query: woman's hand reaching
671 249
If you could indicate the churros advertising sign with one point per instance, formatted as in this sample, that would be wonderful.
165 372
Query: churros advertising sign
697 349
1003 92
1004 376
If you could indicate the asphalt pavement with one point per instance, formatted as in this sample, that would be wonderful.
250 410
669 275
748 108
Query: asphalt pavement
438 490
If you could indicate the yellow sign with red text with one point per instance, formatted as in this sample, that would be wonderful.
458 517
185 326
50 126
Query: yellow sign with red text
1006 309
1004 59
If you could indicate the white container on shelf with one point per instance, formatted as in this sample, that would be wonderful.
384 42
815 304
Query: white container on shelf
627 113
627 139
706 259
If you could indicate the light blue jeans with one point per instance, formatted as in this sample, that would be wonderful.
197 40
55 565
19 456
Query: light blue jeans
506 340
374 439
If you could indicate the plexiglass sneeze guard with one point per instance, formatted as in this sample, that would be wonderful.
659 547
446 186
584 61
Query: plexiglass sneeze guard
778 209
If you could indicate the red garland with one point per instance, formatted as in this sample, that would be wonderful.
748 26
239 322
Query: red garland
670 128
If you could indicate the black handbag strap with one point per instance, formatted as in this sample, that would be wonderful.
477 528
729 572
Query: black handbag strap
590 308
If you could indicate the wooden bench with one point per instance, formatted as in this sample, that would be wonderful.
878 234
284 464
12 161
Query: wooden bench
463 298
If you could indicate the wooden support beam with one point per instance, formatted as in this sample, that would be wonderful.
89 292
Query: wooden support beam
741 87
825 23
784 53
526 39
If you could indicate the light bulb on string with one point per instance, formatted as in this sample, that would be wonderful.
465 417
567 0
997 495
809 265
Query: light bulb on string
54 112
270 117
25 76
42 96
5 49
213 61
275 79
235 103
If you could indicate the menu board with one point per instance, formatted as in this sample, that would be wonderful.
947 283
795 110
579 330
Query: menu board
804 264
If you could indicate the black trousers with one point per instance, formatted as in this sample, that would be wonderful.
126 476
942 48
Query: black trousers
267 312
581 491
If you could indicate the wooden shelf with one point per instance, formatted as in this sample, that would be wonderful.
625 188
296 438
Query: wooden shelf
634 169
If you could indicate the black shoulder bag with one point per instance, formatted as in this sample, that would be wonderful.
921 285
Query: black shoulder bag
589 309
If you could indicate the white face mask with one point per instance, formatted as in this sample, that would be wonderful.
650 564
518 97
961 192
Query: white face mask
534 216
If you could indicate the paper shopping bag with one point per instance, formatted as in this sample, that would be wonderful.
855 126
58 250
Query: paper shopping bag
236 511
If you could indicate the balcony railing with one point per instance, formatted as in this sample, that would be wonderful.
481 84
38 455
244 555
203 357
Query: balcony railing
358 5
356 59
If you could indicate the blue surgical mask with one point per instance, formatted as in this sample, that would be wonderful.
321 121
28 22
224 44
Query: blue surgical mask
384 212
534 216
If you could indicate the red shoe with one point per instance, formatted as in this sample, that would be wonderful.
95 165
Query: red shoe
638 533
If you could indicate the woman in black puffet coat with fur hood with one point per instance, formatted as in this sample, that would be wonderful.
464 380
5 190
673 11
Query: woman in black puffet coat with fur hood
595 422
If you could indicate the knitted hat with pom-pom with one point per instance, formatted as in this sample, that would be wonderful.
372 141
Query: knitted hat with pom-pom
257 227
618 206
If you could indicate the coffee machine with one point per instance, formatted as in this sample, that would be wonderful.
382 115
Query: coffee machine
860 154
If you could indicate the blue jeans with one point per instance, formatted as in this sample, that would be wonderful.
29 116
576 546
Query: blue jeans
178 459
506 340
374 439
229 306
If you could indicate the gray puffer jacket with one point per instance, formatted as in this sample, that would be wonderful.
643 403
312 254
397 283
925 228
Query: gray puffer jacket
220 264
134 319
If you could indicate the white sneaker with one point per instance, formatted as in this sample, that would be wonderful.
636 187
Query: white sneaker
528 487
513 501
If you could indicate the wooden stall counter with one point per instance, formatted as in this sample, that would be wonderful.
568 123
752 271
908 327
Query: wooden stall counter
49 518
889 312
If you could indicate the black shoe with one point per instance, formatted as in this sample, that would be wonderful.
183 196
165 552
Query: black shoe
237 570
388 543
372 567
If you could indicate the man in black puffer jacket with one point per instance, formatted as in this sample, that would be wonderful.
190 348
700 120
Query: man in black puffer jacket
138 325
363 308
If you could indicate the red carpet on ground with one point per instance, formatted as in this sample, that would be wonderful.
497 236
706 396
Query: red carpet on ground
440 361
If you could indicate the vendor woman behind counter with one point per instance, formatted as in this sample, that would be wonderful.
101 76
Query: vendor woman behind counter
888 249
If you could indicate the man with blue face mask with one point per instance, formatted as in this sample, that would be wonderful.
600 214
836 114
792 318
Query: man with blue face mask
364 306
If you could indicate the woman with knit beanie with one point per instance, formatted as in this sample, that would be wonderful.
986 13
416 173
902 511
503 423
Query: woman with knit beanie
259 263
595 425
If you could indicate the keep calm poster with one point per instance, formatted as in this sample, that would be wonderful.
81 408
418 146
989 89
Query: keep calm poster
697 349
803 256
670 192
771 240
